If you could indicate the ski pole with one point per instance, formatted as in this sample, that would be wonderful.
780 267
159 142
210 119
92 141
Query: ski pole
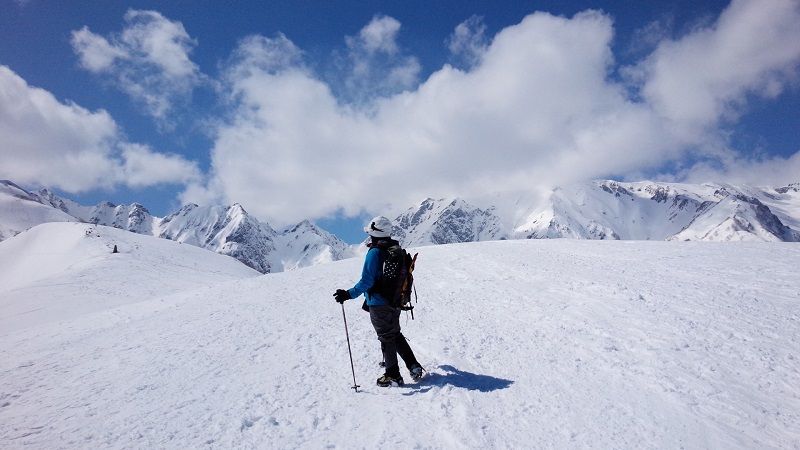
346 333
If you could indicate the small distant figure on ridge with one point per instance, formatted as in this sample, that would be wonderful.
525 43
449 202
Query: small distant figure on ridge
115 249
385 316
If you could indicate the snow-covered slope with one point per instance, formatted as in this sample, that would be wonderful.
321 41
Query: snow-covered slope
528 344
19 210
784 202
306 244
58 271
611 210
737 218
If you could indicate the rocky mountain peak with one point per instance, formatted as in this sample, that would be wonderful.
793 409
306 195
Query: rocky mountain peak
446 221
792 187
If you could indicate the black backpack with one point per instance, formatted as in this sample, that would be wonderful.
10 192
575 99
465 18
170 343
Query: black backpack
396 281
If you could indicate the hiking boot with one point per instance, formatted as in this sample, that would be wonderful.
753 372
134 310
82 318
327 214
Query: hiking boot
387 380
417 372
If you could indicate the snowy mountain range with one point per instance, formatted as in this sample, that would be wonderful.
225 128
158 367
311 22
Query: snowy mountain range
612 210
228 230
600 209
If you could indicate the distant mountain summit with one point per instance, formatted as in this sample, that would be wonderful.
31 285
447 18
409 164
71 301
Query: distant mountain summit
666 211
737 217
446 221
228 230
607 209
794 187
306 244
20 210
133 217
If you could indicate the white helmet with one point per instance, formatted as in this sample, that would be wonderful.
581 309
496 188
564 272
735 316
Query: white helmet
379 227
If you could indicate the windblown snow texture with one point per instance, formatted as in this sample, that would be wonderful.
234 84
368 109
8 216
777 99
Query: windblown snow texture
528 344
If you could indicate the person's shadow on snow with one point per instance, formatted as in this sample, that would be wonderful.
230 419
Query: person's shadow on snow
464 380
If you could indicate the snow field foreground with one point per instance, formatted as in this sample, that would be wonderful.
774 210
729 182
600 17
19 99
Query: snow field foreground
58 271
528 344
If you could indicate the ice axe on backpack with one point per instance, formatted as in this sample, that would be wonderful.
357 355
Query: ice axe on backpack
408 285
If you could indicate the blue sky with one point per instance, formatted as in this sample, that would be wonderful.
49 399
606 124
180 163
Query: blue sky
336 111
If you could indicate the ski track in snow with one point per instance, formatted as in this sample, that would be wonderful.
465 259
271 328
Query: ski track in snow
528 344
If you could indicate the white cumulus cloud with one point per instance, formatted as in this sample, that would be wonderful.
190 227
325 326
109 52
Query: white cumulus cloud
380 35
375 65
149 60
538 109
468 41
140 166
46 142
703 78
772 171
97 54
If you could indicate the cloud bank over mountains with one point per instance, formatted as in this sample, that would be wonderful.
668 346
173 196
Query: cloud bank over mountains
540 103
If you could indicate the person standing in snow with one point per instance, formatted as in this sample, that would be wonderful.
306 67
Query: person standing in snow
385 319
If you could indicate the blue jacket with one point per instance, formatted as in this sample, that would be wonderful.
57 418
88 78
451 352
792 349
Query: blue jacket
373 267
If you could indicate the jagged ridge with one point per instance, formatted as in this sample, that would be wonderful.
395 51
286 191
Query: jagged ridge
608 209
602 209
228 230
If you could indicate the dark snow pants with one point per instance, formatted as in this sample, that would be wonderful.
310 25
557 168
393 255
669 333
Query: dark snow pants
386 321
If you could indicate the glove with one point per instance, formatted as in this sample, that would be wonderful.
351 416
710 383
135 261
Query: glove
341 295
